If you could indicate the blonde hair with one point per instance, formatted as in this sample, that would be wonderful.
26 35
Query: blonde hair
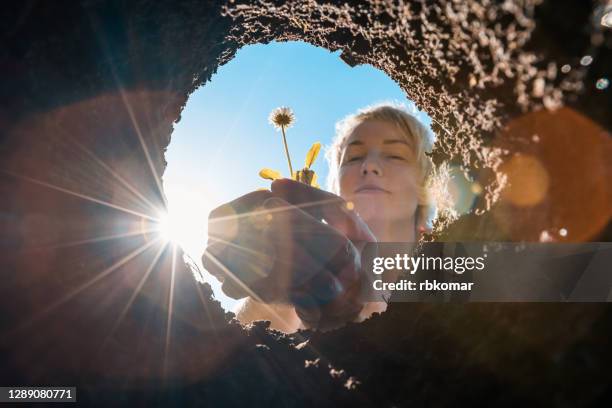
417 136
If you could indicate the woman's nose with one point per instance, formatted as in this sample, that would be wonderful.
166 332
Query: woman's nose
371 165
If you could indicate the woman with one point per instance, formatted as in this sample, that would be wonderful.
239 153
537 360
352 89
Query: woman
294 251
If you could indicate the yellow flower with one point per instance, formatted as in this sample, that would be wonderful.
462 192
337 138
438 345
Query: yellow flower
282 118
269 174
312 154
306 175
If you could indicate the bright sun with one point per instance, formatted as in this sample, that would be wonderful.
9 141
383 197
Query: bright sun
169 229
184 222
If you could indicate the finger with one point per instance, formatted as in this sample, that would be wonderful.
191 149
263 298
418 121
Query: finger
225 220
247 202
280 278
324 205
308 198
216 268
307 243
290 223
239 273
328 303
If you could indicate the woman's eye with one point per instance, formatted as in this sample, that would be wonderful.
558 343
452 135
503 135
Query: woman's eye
395 157
354 159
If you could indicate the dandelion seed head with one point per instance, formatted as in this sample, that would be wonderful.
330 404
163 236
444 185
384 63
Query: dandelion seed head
282 117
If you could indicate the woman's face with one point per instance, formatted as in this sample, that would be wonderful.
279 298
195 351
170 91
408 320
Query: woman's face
378 173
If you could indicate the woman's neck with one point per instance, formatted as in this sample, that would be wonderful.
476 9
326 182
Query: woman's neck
393 231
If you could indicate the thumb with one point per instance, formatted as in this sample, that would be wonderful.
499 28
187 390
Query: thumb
322 204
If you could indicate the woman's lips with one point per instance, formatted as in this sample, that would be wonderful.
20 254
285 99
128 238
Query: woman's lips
371 189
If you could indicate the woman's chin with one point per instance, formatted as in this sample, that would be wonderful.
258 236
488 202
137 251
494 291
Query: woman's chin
370 210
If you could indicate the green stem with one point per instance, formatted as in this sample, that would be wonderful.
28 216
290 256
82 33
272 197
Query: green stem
287 152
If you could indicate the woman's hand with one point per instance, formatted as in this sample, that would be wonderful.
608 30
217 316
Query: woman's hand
275 247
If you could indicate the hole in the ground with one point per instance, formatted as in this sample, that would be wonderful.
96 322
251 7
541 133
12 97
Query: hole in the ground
224 139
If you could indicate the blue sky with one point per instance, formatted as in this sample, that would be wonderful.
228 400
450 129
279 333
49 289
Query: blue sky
223 138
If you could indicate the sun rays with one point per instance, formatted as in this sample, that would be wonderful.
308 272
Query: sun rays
158 230
116 245
170 308
138 228
137 290
136 221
